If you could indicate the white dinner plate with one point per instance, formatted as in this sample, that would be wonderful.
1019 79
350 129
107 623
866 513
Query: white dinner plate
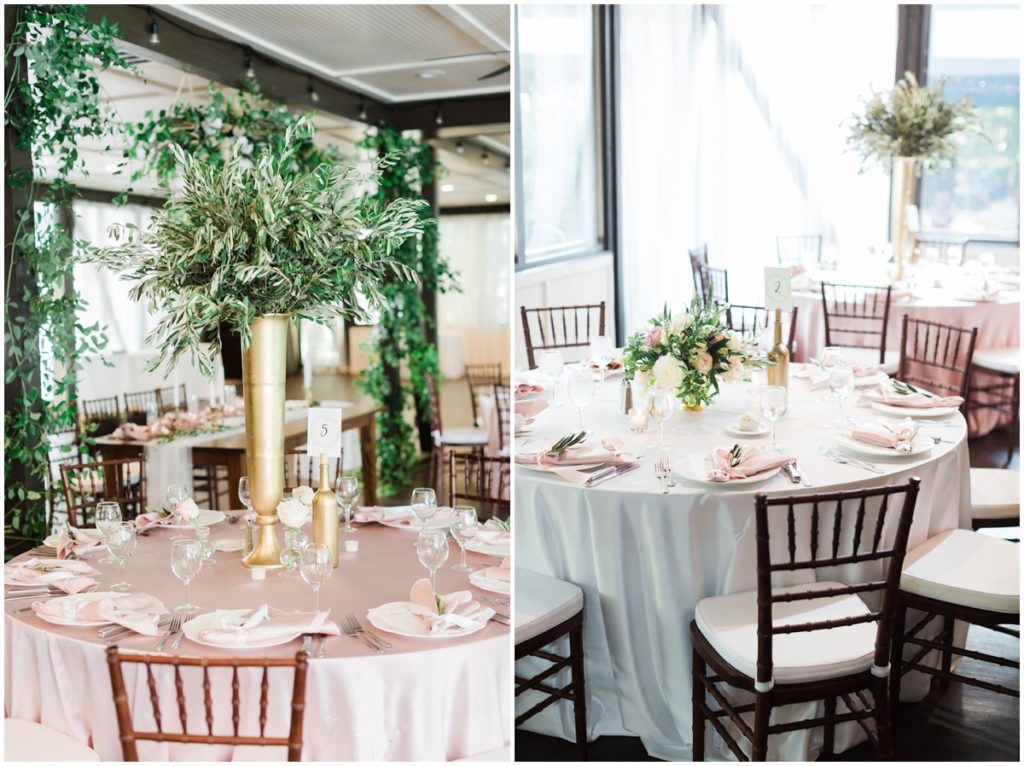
921 445
212 620
209 518
483 582
442 519
490 550
228 545
733 430
395 617
916 412
78 623
688 472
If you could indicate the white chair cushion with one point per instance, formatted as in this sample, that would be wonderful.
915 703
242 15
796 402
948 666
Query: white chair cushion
995 493
503 755
965 568
869 356
729 623
543 602
30 741
1004 360
467 436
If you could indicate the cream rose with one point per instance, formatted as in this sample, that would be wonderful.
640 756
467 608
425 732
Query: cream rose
735 371
187 509
702 362
668 372
680 322
304 495
735 342
292 513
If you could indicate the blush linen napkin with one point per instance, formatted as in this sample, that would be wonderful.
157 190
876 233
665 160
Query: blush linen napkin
500 572
752 461
920 399
68 576
818 378
154 519
379 514
899 437
138 611
493 533
71 540
454 610
607 451
264 625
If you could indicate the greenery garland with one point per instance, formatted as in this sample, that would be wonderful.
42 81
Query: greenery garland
51 104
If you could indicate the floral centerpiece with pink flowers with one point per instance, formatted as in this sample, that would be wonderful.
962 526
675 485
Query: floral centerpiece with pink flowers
689 352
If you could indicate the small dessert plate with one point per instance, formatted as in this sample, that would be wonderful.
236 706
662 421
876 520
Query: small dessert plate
733 429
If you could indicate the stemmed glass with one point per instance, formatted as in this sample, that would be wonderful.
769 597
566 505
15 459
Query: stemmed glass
464 526
773 407
602 349
841 382
581 390
203 536
347 490
316 568
176 493
432 551
186 561
661 405
122 544
245 496
108 520
424 505
551 364
830 358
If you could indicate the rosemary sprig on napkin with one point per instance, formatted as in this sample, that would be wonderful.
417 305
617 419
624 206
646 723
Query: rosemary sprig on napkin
734 455
505 525
905 389
567 442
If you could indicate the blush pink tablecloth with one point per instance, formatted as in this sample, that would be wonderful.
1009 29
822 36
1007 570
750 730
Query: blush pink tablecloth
422 700
997 322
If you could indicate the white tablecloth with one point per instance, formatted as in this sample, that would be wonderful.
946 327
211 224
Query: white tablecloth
644 558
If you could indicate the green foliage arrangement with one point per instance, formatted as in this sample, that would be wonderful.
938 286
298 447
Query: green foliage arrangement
910 121
51 104
250 238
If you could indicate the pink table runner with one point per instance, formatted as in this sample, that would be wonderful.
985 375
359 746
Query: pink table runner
422 700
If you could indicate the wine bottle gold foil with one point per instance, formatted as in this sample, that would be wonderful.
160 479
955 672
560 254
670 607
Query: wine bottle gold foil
778 374
325 513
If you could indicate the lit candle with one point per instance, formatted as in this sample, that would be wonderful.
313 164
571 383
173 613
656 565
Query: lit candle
351 546
638 419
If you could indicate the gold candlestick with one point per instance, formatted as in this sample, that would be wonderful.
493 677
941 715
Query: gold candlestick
778 374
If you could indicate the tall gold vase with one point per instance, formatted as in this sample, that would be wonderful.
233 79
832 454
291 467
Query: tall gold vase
903 180
263 378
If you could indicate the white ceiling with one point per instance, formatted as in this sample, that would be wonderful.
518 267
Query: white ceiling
393 53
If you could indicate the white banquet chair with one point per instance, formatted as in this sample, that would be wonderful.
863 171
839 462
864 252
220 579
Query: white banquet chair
547 610
30 741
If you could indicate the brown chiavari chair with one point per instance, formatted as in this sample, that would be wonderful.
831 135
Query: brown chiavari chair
698 260
470 438
481 480
561 327
303 470
944 249
85 484
165 399
503 403
480 378
929 349
130 735
138 404
995 385
745 319
794 251
714 284
818 535
853 312
101 416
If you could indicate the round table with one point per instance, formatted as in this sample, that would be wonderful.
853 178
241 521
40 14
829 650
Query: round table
644 558
423 699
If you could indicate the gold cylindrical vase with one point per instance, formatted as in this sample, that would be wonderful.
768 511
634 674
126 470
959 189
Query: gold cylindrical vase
263 379
904 178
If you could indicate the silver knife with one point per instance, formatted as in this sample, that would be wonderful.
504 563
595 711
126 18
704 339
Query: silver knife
593 482
788 470
502 618
798 474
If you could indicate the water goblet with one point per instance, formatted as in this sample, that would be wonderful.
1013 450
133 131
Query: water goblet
552 364
602 350
830 357
773 407
464 527
432 551
108 520
347 490
245 496
122 544
661 405
841 383
316 568
176 493
424 505
186 561
581 390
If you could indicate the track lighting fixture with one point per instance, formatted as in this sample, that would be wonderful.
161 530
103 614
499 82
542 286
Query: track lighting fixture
362 111
438 117
460 148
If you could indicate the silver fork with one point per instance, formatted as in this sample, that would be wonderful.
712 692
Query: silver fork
176 643
837 458
174 627
373 636
354 632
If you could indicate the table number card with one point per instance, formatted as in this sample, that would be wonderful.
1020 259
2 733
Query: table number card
323 436
778 289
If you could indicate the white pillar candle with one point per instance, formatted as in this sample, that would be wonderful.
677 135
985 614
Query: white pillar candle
351 546
638 419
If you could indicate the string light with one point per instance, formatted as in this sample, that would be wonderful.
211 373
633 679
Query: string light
314 97
460 148
250 63
154 28
362 111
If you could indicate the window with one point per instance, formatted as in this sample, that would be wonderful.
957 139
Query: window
976 48
558 131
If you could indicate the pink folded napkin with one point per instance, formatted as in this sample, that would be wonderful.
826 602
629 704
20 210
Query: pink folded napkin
457 610
493 533
819 378
501 572
887 393
608 451
530 408
752 461
68 576
71 540
379 514
138 611
525 389
134 431
899 437
264 624
154 519
613 365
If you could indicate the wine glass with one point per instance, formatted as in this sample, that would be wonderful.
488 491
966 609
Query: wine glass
432 551
316 568
773 407
424 505
245 496
176 493
602 349
661 405
122 544
830 357
203 536
108 519
464 527
347 490
186 561
552 364
581 390
841 382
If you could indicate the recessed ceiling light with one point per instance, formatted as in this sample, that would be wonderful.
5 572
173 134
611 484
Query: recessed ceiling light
490 198
430 74
447 187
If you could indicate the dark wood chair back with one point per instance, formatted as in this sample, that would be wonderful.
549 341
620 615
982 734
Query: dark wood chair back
503 403
483 481
825 533
481 377
137 405
165 399
746 319
85 484
795 251
101 416
130 735
303 470
698 260
714 284
560 327
937 356
856 311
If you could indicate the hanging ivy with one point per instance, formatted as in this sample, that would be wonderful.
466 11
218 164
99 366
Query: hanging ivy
52 103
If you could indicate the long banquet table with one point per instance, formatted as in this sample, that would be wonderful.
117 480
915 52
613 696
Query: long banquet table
422 700
644 559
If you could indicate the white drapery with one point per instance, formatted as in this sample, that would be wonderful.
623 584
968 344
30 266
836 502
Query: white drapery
731 135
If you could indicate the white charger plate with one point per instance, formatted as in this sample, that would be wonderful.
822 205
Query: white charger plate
395 617
483 582
212 621
441 519
209 518
490 550
917 412
78 623
922 444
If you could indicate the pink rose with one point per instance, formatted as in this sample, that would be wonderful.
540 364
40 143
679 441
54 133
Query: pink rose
653 337
703 362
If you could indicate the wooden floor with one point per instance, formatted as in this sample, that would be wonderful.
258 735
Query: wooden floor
960 724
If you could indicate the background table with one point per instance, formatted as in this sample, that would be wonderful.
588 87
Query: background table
644 558
422 700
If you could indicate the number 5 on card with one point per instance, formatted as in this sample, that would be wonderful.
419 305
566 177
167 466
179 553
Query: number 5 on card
324 431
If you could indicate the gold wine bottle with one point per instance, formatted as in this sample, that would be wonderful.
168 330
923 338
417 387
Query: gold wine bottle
325 513
778 374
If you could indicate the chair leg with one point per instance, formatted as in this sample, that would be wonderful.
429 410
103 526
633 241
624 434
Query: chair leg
828 747
883 717
762 715
579 691
899 629
699 670
948 628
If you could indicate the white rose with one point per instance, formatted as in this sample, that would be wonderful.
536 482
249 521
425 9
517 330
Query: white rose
187 509
292 513
735 342
668 372
304 495
681 322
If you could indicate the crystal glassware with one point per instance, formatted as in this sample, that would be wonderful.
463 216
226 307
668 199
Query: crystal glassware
316 567
347 490
661 404
432 551
841 383
551 364
581 390
203 536
186 561
464 527
245 496
176 493
108 519
424 505
122 544
291 554
602 350
773 407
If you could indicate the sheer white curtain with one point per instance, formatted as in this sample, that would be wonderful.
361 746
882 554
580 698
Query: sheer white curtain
731 135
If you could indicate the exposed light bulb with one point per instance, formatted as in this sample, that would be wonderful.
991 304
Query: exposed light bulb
438 117
154 32
460 148
362 110
447 188
314 97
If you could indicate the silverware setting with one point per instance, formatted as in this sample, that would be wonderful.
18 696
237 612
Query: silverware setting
835 457
494 601
663 473
307 643
797 474
373 636
502 618
352 628
37 593
115 633
611 473
176 643
172 630
321 652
